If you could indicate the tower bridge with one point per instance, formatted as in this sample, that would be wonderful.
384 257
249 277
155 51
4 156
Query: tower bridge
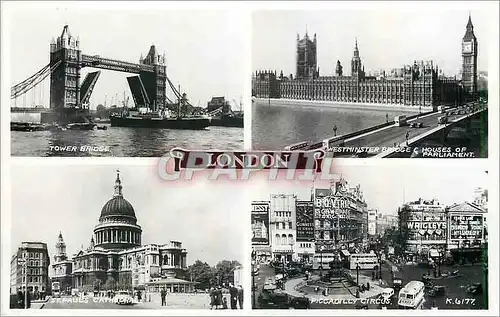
69 97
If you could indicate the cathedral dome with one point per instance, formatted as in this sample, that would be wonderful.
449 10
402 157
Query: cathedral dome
118 206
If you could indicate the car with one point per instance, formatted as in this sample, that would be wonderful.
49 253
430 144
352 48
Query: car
443 120
416 125
387 293
123 298
437 290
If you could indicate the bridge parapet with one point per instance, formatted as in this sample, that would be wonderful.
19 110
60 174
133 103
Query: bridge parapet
111 64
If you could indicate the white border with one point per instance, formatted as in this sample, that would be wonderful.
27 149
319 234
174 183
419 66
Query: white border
491 164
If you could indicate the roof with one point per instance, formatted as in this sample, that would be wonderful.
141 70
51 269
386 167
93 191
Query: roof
118 206
469 33
466 207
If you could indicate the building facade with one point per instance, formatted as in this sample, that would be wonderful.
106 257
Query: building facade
29 268
340 216
116 259
424 227
62 268
283 227
420 84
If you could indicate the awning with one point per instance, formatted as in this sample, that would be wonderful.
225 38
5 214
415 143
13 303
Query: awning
345 252
434 253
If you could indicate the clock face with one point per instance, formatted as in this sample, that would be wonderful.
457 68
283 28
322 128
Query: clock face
467 47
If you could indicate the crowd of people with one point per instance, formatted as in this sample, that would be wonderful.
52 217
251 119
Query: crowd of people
219 301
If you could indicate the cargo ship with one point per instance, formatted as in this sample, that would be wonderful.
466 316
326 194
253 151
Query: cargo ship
157 121
161 119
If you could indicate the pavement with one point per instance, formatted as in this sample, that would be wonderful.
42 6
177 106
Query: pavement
174 301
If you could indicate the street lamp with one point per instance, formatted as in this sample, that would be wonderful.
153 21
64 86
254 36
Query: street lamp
321 249
253 279
357 274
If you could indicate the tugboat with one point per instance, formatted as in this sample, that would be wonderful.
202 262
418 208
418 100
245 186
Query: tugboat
145 118
224 116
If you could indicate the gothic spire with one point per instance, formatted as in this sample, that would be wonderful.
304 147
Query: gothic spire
469 32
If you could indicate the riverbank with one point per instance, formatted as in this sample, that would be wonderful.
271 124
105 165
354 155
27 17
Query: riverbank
341 105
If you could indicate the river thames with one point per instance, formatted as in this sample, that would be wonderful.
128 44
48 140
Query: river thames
275 126
123 142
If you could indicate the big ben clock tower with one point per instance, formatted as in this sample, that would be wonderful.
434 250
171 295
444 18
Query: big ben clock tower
469 60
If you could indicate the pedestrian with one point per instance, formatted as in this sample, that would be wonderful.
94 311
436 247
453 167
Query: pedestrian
335 130
387 117
240 296
407 135
28 299
212 298
218 297
233 293
224 303
139 296
20 298
163 295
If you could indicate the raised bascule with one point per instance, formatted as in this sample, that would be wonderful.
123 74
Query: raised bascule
69 98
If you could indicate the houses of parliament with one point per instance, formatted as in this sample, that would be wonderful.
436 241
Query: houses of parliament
420 84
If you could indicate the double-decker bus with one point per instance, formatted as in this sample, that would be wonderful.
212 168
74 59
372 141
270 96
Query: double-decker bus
366 261
56 289
412 296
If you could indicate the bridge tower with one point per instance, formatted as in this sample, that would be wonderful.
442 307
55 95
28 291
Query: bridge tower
155 82
65 79
469 60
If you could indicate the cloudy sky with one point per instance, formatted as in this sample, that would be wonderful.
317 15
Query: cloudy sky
205 217
389 37
385 186
203 48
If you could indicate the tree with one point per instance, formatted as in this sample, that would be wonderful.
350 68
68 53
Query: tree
225 271
201 273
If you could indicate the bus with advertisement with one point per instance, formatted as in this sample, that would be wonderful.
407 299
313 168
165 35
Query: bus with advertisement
365 261
56 289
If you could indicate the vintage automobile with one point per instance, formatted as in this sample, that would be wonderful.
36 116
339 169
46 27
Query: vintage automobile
416 125
437 290
475 288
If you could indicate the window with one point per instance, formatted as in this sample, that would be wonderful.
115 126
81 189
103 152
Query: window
290 225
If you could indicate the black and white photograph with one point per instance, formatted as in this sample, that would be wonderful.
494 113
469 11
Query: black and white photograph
391 82
130 82
113 237
417 242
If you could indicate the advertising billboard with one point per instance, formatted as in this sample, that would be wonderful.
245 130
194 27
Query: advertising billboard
427 227
305 220
260 223
467 228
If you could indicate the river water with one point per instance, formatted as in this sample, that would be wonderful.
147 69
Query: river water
276 126
123 142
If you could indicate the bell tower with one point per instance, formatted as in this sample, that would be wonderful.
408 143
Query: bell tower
60 249
469 60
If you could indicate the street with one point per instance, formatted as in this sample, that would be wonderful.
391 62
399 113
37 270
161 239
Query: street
455 297
389 136
174 301
265 271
